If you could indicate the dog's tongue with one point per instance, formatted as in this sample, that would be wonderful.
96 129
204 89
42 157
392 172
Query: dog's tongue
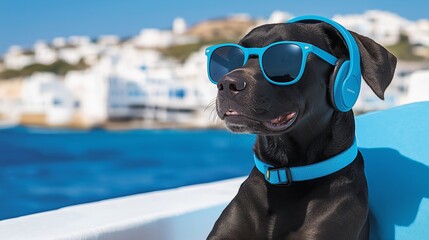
283 118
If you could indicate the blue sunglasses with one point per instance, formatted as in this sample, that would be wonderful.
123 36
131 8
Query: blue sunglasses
282 63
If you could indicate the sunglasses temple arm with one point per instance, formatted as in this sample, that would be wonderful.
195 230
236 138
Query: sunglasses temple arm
324 55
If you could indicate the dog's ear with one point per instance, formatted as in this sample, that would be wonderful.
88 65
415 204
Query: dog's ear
377 64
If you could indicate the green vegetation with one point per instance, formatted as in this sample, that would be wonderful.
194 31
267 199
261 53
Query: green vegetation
59 67
182 52
403 49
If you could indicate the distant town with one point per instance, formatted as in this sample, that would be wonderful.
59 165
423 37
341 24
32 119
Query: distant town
157 79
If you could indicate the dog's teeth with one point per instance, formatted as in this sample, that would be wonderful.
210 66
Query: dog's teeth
283 118
291 115
277 120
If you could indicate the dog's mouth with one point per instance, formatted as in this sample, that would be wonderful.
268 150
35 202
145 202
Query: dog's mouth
236 121
282 122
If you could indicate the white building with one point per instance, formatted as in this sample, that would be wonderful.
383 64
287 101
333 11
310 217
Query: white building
179 26
16 58
129 83
89 89
368 101
383 27
418 32
194 73
69 55
108 40
43 94
154 38
43 54
417 87
409 84
194 70
279 17
59 42
78 40
88 52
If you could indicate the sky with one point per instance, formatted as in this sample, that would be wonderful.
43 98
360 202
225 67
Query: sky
23 22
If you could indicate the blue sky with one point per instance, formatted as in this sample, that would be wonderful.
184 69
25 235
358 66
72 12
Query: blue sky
23 22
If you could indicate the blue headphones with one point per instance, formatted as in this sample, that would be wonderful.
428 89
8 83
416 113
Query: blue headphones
346 79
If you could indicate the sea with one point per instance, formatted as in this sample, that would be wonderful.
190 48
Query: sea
45 169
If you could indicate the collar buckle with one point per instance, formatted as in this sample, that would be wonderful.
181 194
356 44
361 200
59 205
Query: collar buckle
283 172
288 176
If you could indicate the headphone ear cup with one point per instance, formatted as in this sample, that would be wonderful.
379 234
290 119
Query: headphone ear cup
336 83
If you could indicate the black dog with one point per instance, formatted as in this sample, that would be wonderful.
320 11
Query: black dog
330 207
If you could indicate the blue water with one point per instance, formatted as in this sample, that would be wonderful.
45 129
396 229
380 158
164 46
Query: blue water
42 169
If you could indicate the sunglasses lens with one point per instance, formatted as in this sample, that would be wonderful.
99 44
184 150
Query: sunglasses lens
223 60
282 62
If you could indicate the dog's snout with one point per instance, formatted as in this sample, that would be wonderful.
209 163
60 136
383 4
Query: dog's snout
233 85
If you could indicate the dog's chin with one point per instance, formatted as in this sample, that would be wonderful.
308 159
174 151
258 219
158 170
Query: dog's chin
242 124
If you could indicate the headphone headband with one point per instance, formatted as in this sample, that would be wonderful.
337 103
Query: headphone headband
346 89
348 38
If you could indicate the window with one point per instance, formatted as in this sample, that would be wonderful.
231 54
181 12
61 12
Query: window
57 102
177 93
180 93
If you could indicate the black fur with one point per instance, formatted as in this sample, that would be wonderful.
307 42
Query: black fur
332 207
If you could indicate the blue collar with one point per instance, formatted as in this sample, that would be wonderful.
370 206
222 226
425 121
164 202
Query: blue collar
285 175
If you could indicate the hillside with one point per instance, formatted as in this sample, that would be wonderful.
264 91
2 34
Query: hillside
211 32
229 29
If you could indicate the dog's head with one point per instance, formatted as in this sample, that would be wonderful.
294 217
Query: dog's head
248 103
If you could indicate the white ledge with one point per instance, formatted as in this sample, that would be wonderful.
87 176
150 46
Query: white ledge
132 217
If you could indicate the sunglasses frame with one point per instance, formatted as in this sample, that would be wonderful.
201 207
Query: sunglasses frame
306 49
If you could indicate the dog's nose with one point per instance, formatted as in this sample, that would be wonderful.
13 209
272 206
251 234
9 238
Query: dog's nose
233 85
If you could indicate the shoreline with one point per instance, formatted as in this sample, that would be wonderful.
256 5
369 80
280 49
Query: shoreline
117 126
